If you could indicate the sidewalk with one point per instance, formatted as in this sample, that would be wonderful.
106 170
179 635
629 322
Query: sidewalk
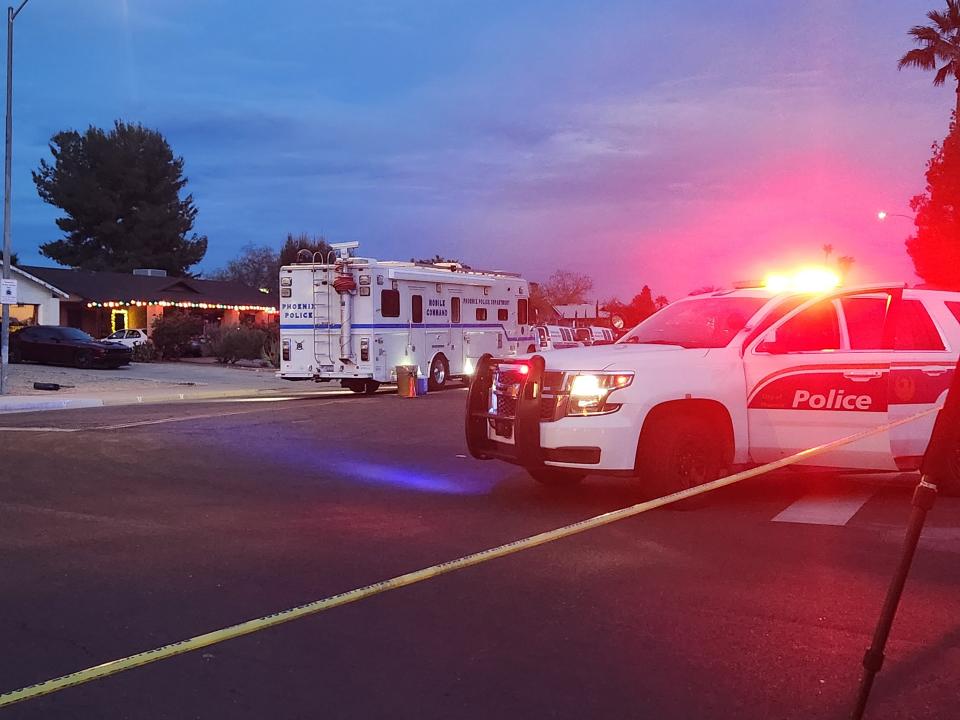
138 383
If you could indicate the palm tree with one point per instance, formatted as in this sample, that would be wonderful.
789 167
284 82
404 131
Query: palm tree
845 263
827 250
940 43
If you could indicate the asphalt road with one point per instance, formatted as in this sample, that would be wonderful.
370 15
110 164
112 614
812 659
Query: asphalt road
122 529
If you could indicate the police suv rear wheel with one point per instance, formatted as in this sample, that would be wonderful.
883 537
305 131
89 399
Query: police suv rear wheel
555 477
439 372
679 452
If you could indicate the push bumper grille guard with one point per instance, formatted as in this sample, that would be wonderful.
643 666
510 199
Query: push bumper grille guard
523 413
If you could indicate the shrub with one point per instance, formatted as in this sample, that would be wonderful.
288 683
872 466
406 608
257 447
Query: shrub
172 334
145 352
271 345
237 342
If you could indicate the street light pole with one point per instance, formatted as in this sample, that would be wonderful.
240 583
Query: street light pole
7 183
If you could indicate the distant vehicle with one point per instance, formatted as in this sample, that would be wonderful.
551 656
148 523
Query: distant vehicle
130 337
593 335
54 345
195 346
730 379
583 335
556 337
356 319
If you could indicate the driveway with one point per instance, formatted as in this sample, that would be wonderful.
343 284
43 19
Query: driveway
145 377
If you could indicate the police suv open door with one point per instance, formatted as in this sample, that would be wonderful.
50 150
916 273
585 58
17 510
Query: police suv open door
821 373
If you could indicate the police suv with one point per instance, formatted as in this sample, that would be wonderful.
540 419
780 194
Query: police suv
728 379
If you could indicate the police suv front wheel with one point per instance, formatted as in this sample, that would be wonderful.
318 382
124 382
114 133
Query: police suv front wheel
555 477
679 452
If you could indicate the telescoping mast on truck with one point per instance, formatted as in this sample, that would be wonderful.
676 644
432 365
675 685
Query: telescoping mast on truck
355 319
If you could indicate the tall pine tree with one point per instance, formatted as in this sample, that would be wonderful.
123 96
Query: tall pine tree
120 190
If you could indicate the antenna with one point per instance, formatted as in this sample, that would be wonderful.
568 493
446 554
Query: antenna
343 249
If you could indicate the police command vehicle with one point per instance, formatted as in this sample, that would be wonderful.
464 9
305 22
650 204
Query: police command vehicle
355 319
728 379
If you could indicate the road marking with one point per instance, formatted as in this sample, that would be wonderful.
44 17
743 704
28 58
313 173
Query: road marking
159 421
825 509
163 421
37 429
73 515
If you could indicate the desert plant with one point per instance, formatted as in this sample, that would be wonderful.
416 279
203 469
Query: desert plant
172 334
237 342
145 352
271 344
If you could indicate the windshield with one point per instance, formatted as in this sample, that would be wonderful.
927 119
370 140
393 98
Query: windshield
708 323
74 334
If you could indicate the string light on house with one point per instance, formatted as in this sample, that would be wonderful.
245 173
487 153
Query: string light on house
183 304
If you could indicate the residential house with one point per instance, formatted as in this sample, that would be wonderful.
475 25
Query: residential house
103 302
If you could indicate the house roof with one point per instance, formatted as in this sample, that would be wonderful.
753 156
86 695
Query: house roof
38 281
102 287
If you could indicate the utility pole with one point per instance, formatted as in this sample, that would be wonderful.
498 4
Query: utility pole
5 329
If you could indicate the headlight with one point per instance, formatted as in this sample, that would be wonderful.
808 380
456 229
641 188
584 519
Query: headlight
589 392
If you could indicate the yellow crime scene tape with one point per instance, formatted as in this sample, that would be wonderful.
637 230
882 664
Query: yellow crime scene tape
81 677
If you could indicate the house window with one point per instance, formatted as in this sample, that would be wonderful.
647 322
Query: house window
390 303
417 308
481 314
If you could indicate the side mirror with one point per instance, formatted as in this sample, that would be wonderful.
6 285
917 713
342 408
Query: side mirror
769 343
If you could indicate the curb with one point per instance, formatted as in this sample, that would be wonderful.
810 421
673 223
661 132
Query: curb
32 403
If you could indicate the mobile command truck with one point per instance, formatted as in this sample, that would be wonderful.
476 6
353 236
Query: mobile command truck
355 319
729 379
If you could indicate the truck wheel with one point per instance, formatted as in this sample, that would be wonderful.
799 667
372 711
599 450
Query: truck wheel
439 372
367 387
555 477
677 453
951 487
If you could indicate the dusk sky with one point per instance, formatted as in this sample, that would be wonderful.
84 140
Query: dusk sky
675 144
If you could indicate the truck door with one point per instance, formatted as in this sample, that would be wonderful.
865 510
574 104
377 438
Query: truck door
456 355
484 337
820 374
920 376
391 336
437 324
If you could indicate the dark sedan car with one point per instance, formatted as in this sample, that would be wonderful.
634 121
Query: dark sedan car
66 346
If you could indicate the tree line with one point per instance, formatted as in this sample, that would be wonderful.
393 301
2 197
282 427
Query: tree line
934 245
565 287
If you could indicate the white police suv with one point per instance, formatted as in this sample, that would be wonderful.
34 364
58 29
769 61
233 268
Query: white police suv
728 379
